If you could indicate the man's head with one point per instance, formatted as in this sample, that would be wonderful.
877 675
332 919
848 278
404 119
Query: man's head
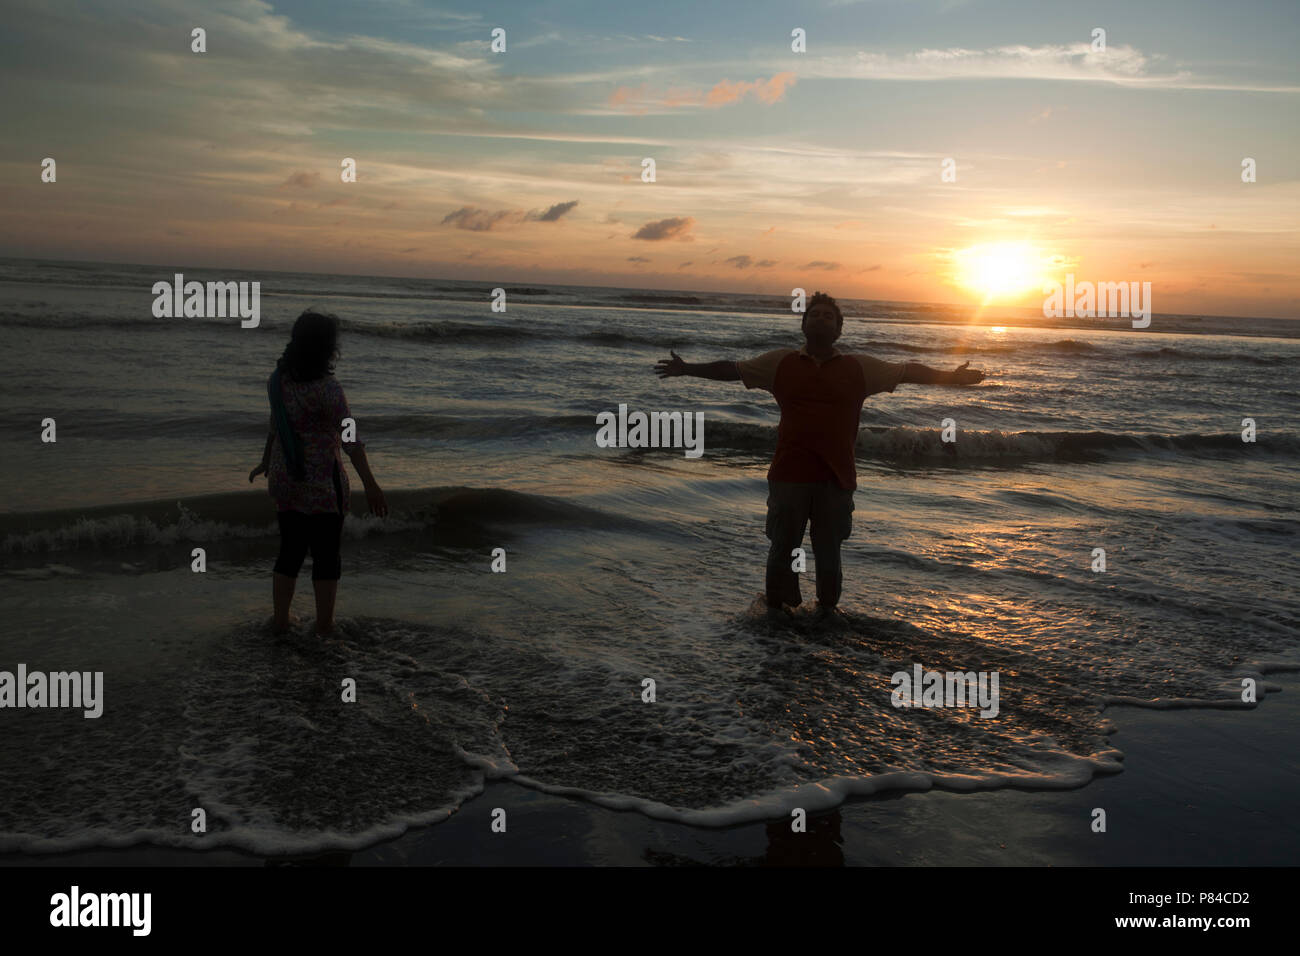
822 319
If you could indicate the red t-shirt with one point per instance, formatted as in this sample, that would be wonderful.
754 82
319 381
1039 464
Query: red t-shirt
820 405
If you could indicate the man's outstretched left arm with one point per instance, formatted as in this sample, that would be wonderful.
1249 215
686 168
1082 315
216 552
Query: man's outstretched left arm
924 375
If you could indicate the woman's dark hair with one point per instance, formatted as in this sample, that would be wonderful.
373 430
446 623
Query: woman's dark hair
313 349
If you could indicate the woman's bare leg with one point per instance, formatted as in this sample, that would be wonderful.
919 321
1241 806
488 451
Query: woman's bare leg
281 597
326 592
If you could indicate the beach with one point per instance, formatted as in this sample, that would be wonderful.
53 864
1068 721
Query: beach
626 564
1210 791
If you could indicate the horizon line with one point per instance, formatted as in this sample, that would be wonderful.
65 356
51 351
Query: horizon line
974 306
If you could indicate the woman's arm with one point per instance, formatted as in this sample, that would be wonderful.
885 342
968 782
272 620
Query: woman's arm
266 458
357 454
374 494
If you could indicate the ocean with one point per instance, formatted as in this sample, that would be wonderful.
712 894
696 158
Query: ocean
623 565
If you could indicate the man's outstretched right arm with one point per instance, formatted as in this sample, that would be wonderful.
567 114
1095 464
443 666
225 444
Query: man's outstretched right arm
718 371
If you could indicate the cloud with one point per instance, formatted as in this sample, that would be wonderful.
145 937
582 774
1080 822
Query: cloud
626 95
652 37
477 220
765 91
1124 65
480 220
675 228
821 264
1077 61
554 213
723 93
1031 212
553 37
746 262
637 259
301 181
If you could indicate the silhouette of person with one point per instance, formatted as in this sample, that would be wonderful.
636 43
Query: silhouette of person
820 392
304 467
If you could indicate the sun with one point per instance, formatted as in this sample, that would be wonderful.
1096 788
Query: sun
1000 270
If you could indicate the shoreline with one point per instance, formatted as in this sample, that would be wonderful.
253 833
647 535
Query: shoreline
1206 788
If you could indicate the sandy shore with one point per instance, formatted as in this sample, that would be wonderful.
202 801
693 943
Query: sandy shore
1199 788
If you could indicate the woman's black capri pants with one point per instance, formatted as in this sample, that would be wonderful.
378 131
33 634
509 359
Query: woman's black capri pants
322 534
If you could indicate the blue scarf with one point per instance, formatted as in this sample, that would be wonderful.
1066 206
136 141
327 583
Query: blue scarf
289 440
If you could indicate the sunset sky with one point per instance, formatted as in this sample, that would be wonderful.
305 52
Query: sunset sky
775 169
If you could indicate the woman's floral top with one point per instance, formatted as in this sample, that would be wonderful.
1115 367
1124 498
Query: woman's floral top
316 410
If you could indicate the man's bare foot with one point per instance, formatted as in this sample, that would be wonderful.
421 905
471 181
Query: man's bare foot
829 615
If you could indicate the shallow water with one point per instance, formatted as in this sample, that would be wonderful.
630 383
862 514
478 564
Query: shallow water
623 564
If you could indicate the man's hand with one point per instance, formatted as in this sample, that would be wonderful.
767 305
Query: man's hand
259 470
924 375
667 368
962 375
722 371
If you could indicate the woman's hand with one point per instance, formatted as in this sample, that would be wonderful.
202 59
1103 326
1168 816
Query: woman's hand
375 499
259 470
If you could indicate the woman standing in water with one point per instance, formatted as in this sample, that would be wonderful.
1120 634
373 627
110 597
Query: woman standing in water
305 471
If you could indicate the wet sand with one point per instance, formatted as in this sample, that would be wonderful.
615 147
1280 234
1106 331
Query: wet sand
1199 788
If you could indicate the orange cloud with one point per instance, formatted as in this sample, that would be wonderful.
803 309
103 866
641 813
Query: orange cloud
767 91
624 95
675 228
724 93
